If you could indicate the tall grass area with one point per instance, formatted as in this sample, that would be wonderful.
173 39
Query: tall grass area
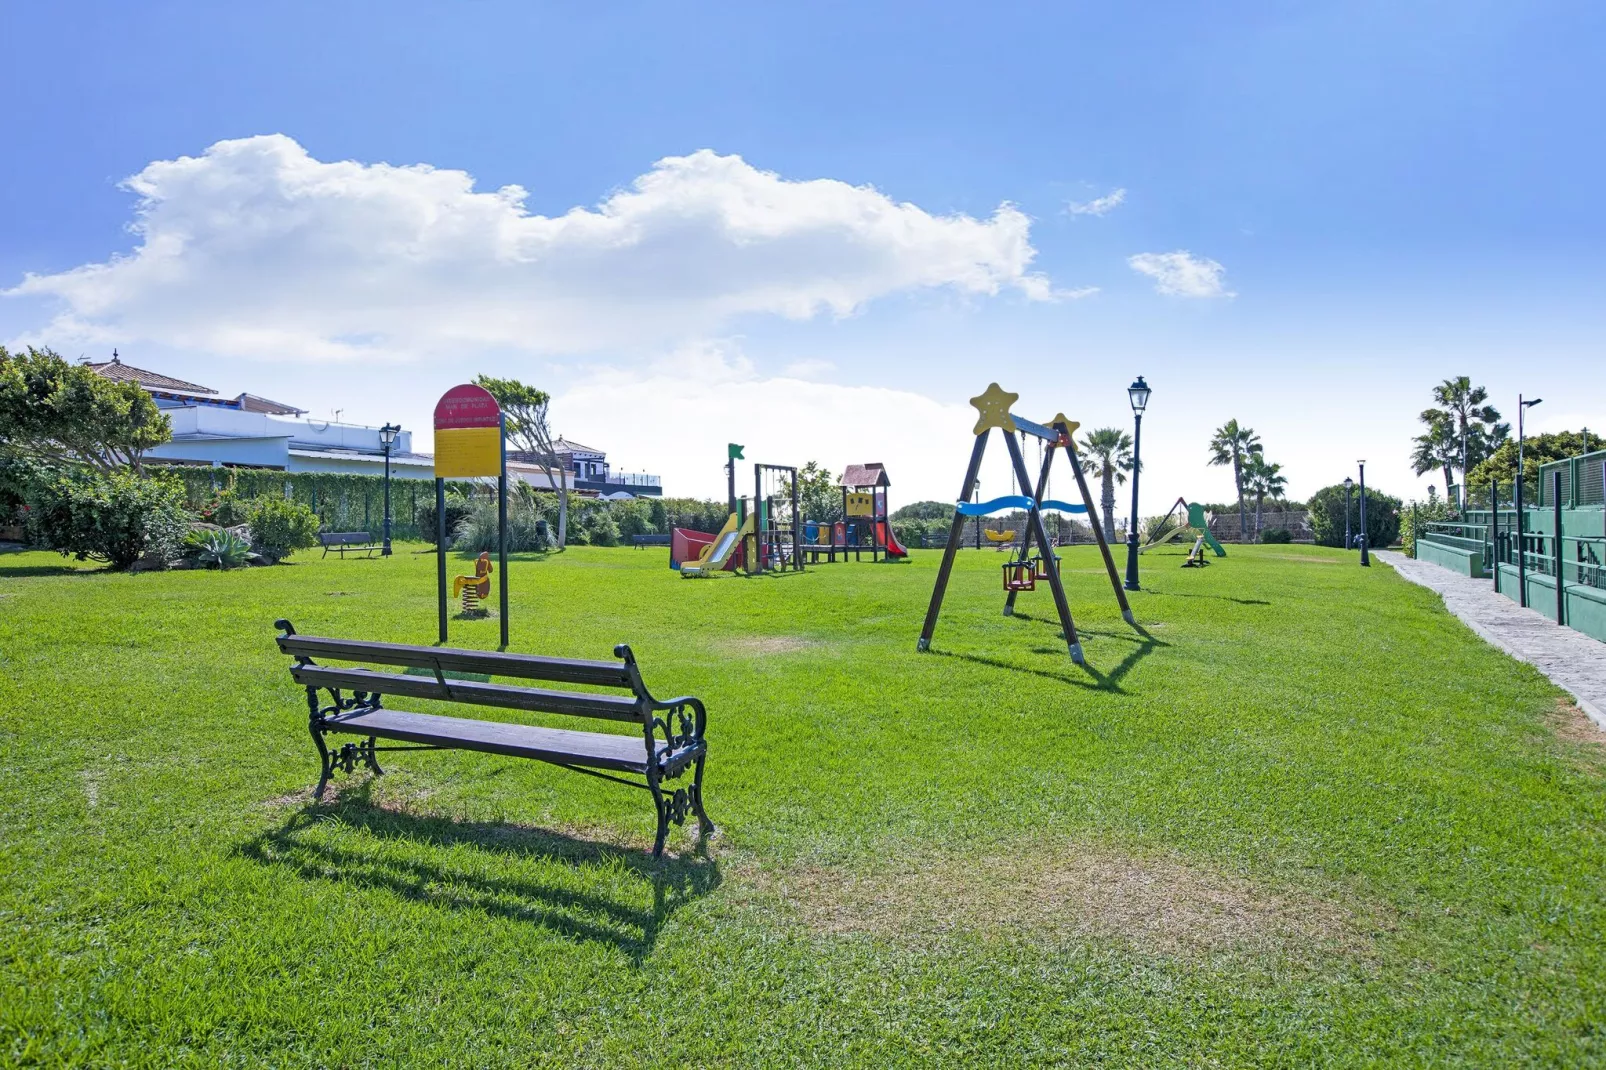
1299 817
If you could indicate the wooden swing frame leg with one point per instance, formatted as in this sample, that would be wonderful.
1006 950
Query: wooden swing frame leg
948 552
1034 517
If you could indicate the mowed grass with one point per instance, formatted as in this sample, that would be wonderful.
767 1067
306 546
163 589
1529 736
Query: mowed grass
1300 817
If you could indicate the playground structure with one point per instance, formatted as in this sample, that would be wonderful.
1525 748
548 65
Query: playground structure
1024 568
762 534
1198 523
475 587
866 525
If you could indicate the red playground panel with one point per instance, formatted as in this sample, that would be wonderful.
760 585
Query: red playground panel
688 545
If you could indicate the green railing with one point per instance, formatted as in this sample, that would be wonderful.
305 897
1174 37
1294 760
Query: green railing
1581 481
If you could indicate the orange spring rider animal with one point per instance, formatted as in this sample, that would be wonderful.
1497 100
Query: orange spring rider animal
475 587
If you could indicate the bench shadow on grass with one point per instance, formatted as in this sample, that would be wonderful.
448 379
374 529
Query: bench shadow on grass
456 864
1076 675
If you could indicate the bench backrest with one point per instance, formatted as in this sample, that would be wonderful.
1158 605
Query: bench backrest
344 538
431 665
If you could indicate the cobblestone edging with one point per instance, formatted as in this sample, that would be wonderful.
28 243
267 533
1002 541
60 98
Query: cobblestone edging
1572 660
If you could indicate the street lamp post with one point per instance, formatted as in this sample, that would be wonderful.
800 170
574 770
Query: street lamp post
1138 392
387 438
1366 559
1349 485
1522 555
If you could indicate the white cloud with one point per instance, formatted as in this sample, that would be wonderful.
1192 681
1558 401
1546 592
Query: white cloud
676 416
809 368
1099 205
1181 274
256 249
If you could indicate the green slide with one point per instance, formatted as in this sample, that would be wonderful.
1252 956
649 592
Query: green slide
1201 523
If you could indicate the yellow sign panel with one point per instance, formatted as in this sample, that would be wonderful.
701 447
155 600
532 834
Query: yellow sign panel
464 452
860 504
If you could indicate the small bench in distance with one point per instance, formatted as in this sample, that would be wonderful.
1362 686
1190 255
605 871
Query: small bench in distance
353 541
670 739
638 541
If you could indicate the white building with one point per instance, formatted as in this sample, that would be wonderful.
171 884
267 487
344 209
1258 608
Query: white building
255 432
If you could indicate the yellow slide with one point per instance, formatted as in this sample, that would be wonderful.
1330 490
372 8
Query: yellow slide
718 552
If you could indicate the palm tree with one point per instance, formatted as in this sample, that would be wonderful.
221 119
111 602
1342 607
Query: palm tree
1436 448
1234 445
1262 479
1474 424
1107 453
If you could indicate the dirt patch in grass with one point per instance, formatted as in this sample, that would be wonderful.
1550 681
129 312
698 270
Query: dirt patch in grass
1066 895
1573 725
759 645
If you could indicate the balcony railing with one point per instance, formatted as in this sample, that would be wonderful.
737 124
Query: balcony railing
624 479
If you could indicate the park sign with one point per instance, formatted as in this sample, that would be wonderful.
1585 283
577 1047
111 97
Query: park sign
468 433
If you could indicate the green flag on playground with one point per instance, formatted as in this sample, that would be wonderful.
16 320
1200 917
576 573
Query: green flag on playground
735 452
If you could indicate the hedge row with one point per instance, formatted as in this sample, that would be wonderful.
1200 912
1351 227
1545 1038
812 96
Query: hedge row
342 502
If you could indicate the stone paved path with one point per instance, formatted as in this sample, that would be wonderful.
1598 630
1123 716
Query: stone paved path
1573 661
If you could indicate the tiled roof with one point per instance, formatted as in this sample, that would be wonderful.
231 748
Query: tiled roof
563 445
117 371
865 475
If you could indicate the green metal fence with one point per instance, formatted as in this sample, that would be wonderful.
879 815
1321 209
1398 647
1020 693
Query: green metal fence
1552 557
1581 480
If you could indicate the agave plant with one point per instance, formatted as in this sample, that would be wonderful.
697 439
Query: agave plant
218 549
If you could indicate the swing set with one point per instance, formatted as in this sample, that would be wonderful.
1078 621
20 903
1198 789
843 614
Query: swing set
1025 568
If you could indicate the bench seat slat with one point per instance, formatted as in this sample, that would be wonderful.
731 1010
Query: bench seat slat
532 699
522 666
625 754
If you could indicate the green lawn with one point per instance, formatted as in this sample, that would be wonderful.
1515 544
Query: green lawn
1301 817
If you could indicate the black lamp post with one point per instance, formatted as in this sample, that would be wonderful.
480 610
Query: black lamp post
1522 555
1138 392
1349 485
1366 560
387 438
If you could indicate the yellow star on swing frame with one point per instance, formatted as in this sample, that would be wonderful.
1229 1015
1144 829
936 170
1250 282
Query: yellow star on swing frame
1070 427
992 408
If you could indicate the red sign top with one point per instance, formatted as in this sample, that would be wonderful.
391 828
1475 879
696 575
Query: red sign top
467 406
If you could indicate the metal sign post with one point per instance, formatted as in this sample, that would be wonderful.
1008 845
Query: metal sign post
470 443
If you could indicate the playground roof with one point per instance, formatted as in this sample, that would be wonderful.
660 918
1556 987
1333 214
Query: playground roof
865 475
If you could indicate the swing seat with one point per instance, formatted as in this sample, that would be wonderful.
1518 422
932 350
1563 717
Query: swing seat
1022 575
1040 569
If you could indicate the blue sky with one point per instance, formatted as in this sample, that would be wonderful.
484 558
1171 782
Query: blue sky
1393 193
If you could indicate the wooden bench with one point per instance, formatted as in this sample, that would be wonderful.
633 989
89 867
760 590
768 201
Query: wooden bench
650 540
669 741
342 541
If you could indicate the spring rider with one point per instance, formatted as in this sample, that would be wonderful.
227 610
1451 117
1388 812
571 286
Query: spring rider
475 587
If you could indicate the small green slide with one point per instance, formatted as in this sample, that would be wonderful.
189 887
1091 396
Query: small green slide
1201 523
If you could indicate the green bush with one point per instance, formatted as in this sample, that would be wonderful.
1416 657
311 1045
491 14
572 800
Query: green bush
116 517
943 511
457 507
695 514
226 510
219 549
527 529
1278 535
1327 516
635 518
1424 513
279 528
601 529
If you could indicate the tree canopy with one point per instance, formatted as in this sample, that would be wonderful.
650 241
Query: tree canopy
1536 451
54 411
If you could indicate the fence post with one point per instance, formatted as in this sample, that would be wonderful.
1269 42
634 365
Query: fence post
1561 587
1494 528
1416 532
